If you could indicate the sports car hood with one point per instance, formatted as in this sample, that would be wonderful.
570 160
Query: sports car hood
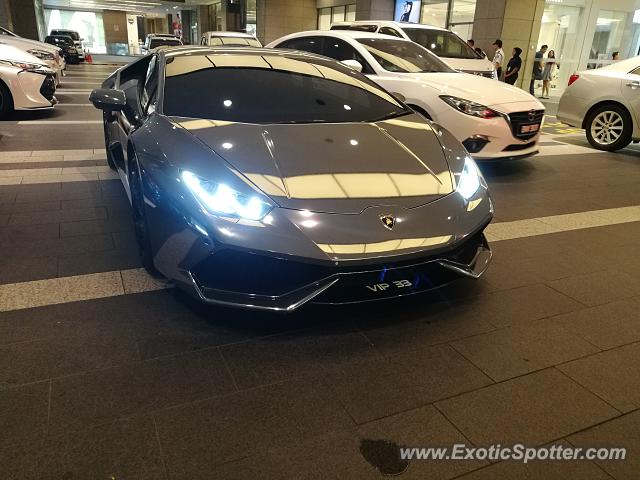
482 90
334 168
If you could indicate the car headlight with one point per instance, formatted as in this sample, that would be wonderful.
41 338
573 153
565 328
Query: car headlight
470 108
22 65
42 55
469 179
219 199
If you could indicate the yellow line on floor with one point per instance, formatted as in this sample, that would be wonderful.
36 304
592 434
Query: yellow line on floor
18 296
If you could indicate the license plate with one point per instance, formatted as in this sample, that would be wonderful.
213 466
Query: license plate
530 128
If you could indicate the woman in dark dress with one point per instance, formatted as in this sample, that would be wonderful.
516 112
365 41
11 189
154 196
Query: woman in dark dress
513 67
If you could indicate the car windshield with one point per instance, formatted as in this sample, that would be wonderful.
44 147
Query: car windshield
403 56
234 41
272 89
441 42
74 35
160 41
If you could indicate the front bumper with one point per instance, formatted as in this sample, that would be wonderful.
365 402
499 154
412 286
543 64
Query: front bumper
256 281
499 137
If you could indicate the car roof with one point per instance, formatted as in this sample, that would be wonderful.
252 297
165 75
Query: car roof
346 34
190 50
229 34
390 23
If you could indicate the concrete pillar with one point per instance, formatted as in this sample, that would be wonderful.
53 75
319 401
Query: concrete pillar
24 17
517 23
5 15
374 9
276 18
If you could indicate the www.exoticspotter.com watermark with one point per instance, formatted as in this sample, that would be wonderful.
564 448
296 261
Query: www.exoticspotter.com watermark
517 452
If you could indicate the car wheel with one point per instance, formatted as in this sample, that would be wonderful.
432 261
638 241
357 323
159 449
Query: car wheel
110 160
6 101
609 128
140 223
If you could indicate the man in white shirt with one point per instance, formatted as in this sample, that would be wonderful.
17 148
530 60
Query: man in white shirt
498 57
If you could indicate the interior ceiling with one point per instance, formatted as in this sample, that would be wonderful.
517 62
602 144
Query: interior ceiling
134 6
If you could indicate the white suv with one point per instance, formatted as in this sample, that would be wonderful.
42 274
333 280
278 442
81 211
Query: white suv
234 39
444 43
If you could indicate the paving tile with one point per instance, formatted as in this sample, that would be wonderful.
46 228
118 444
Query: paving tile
60 247
23 412
275 358
27 269
357 453
17 234
532 410
612 375
126 449
138 280
42 359
377 387
621 432
94 262
105 395
29 207
606 326
58 216
94 227
513 351
197 437
598 288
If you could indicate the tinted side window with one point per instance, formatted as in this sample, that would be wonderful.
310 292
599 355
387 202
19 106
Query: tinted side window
341 50
306 44
150 89
390 31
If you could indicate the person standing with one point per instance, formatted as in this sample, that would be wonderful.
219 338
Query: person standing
537 68
513 67
498 57
549 71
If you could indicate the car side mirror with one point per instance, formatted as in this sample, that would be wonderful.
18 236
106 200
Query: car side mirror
354 64
398 96
108 100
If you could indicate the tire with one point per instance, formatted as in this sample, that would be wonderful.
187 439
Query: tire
140 223
110 161
6 101
609 127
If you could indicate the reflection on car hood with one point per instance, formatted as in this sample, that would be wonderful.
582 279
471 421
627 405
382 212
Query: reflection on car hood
336 168
482 90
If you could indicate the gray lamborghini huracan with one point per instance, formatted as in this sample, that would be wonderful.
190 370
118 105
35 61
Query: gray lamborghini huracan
268 178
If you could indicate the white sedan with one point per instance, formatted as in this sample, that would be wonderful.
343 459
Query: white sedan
493 120
606 103
25 82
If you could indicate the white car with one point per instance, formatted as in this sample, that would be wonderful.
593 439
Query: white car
493 120
233 39
606 103
444 43
155 40
26 83
49 54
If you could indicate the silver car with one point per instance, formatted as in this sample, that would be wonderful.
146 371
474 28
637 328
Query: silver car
268 178
606 103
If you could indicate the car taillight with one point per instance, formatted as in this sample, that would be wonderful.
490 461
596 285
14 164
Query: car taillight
573 78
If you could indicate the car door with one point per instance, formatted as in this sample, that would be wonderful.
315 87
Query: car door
631 93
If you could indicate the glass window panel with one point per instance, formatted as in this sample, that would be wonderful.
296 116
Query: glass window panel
324 18
350 16
434 12
337 14
463 11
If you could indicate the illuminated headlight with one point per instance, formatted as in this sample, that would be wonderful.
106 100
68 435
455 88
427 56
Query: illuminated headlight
42 55
469 180
22 65
219 199
470 108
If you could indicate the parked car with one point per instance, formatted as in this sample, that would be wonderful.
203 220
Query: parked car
69 49
49 54
606 103
443 43
237 39
493 120
266 179
77 40
155 40
26 82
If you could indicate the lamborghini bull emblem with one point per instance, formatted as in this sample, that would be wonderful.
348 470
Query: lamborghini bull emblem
389 221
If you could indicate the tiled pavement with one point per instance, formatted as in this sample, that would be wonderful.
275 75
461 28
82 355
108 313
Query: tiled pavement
150 385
